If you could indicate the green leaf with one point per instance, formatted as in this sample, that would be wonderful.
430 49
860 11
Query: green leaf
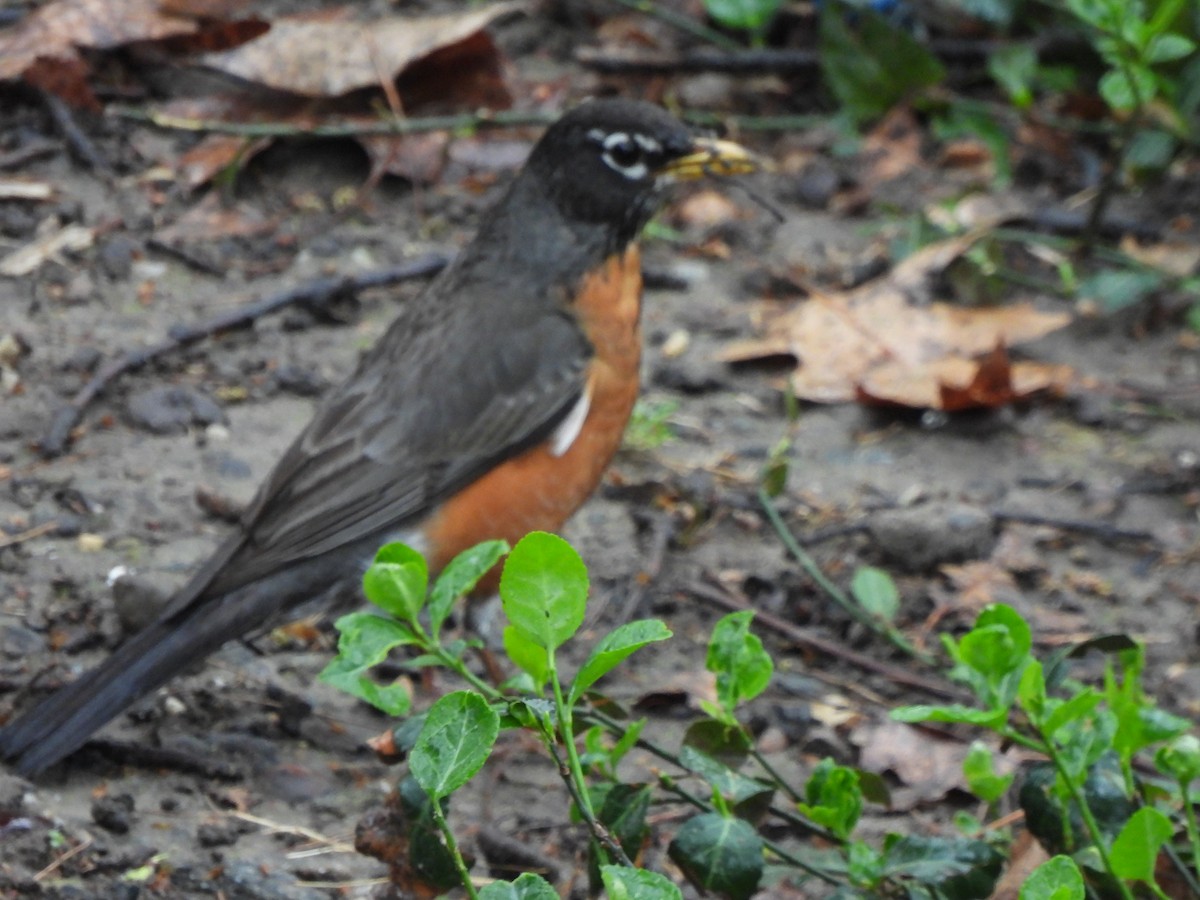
1014 67
1135 850
460 577
528 886
955 867
364 641
527 655
1151 149
613 649
998 657
833 798
1127 89
459 732
864 864
624 883
748 15
749 796
397 580
544 589
1063 712
980 770
1115 289
872 67
724 741
952 712
1031 691
1169 47
719 854
429 862
875 590
1058 878
743 668
623 811
1180 759
1084 740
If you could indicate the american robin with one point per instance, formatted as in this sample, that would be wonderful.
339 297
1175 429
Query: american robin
490 408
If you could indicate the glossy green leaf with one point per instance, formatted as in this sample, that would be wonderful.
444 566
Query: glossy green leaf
544 589
719 854
460 730
979 767
736 656
1058 878
528 886
624 883
460 577
613 649
832 798
396 581
748 15
528 655
364 641
1135 850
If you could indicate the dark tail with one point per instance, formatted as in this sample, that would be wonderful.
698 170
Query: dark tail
66 719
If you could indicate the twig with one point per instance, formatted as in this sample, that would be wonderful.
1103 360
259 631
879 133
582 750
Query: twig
805 638
391 125
73 852
1099 530
74 136
54 441
29 533
132 753
14 159
324 841
882 628
742 62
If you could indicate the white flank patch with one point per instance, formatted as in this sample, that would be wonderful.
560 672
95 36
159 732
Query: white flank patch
568 429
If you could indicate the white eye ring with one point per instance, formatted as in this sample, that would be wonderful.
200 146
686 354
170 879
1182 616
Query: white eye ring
626 153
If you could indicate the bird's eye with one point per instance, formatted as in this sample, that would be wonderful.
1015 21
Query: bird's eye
626 154
622 150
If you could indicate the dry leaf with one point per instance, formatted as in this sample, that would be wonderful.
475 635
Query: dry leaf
28 258
883 343
929 766
214 153
892 148
331 58
56 30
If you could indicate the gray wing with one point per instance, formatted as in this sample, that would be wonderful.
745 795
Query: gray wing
413 425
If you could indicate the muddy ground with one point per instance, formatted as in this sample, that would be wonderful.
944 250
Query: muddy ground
268 774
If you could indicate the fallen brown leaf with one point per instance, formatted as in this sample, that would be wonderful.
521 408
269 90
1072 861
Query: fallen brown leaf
884 342
331 58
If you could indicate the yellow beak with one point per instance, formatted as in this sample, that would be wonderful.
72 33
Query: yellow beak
712 157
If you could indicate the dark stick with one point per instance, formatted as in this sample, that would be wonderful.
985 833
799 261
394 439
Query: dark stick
55 439
1099 530
74 136
741 62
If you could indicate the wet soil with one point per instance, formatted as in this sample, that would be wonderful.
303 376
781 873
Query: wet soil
246 777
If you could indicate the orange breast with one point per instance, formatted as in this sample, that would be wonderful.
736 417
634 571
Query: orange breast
538 491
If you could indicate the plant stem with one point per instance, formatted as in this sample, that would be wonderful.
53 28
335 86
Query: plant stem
814 572
1193 831
452 845
456 665
599 831
391 125
1089 820
566 729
